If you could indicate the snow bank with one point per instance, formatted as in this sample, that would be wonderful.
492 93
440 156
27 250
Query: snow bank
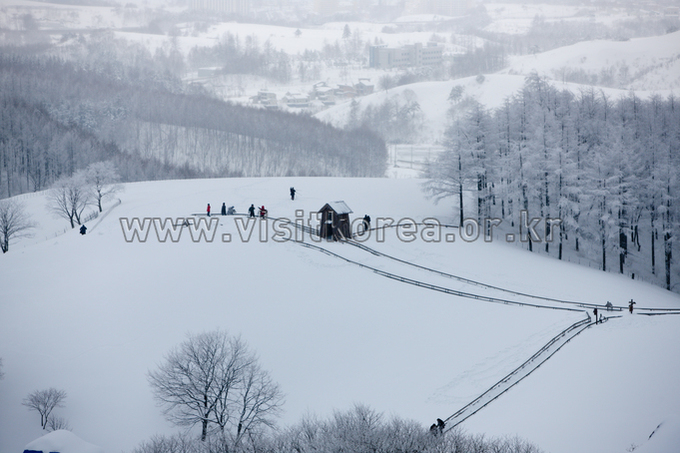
62 441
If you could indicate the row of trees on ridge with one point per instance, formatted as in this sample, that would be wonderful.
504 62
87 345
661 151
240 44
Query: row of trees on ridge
609 169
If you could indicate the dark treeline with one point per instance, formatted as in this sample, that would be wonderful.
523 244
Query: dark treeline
58 117
482 60
607 168
398 119
36 150
235 57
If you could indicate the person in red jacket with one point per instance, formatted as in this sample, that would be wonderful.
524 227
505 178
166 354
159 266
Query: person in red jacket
208 209
263 212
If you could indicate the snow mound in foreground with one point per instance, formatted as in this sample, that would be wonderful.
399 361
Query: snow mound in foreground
62 441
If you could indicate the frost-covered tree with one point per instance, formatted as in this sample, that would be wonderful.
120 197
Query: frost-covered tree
364 430
466 161
102 178
456 93
14 223
44 402
445 177
214 380
69 197
177 443
57 423
609 169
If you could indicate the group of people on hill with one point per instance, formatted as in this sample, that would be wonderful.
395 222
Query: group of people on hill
261 210
609 306
224 211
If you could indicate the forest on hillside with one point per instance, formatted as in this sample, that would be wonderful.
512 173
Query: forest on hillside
59 115
608 169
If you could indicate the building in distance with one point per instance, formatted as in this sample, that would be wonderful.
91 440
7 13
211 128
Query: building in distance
409 56
221 6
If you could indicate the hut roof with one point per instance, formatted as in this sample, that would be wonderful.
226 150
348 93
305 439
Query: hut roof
340 207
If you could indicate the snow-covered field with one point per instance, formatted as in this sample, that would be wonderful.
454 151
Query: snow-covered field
641 58
92 314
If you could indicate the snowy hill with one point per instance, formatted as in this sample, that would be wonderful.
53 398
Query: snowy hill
648 66
62 441
434 104
645 64
93 314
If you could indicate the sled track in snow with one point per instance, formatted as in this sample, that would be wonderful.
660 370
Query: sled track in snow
587 305
579 304
477 283
517 375
433 287
430 286
525 369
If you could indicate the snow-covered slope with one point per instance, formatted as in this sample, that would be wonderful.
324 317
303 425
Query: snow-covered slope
92 314
651 66
62 441
651 63
434 104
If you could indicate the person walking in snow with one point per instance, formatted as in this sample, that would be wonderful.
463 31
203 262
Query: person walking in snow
251 211
224 209
208 209
630 306
366 222
292 193
595 312
438 428
83 229
263 212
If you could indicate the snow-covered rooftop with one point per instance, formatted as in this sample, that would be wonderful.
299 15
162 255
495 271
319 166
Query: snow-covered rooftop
340 207
62 441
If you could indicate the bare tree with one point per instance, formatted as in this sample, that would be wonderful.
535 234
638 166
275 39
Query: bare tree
102 178
44 402
14 223
69 197
212 379
56 423
258 400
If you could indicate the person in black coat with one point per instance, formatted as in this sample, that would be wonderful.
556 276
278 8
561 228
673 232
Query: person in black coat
83 229
224 209
366 222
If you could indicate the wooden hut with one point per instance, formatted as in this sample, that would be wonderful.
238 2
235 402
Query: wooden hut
335 221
